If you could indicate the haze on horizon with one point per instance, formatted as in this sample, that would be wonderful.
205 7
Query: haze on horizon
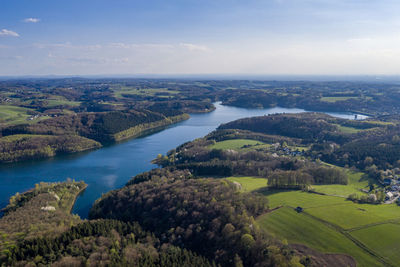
94 37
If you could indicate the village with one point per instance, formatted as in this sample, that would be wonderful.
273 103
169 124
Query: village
391 182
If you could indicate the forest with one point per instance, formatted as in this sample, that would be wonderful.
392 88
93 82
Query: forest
207 216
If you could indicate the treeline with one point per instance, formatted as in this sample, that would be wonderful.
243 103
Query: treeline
380 151
310 127
352 96
172 107
101 243
207 216
75 133
97 126
27 147
300 179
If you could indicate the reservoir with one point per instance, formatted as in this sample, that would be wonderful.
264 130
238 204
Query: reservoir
111 167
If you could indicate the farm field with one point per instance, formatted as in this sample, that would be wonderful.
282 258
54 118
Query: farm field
348 130
13 114
249 183
383 238
249 144
352 215
333 99
300 228
235 144
164 92
357 181
332 224
59 102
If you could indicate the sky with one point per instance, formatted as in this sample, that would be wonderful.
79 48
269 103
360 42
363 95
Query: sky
258 37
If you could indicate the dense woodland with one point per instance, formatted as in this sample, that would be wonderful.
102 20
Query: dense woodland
21 147
160 218
208 216
102 243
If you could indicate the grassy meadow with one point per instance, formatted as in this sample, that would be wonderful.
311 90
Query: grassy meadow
357 181
298 228
13 114
235 144
330 223
383 238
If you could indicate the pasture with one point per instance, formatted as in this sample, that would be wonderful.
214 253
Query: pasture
357 181
13 114
235 144
333 99
298 228
383 238
332 224
160 92
249 183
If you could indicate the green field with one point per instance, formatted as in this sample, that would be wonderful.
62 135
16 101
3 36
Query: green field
383 238
357 181
249 183
324 216
337 98
303 199
59 102
348 130
13 114
235 144
300 228
118 92
352 215
332 223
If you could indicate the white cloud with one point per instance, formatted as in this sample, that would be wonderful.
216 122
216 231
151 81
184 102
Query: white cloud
5 32
194 47
31 20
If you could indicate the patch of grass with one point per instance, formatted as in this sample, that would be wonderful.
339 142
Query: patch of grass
348 130
13 114
57 102
303 199
249 183
235 144
119 92
333 99
301 228
357 181
352 215
383 238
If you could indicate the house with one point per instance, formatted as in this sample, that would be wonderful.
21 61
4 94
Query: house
389 195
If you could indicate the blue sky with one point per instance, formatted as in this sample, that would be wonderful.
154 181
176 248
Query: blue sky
42 37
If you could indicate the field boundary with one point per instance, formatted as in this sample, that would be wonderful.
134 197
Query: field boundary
351 238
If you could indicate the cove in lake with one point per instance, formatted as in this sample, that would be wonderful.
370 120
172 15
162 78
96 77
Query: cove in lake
111 167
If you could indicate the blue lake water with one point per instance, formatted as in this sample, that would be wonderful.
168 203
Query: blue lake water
111 167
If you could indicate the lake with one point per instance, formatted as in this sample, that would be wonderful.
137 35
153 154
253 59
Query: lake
111 167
